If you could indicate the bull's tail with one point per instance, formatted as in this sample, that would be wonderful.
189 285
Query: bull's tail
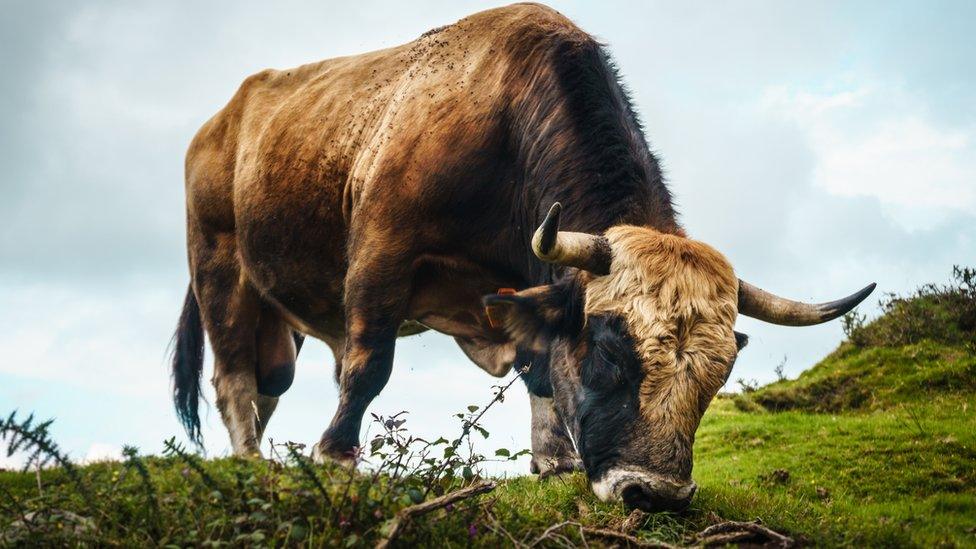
188 345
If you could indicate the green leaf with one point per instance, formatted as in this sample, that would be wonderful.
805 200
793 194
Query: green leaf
502 452
481 430
376 444
472 408
298 532
467 473
416 495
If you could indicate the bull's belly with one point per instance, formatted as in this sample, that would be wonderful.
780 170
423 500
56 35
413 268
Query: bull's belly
292 239
313 311
301 277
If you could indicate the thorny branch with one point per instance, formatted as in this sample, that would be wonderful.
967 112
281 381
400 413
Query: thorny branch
405 515
466 429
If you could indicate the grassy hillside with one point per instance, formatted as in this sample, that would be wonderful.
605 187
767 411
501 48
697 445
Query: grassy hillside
922 347
873 446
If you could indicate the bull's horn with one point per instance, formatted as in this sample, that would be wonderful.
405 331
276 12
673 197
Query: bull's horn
580 250
769 307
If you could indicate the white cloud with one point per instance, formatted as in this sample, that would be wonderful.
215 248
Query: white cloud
878 141
14 462
101 451
101 341
97 452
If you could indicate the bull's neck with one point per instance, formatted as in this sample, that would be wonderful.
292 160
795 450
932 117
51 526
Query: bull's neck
581 144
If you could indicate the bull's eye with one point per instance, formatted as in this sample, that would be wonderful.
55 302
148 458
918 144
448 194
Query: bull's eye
600 371
612 361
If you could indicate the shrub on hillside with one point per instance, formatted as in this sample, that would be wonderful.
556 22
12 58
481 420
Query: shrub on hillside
183 500
941 313
923 343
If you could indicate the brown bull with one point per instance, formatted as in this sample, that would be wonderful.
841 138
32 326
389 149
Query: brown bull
366 197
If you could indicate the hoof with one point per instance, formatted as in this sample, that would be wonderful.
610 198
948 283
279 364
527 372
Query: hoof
547 466
323 457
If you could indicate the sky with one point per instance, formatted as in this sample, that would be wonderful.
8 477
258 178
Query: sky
819 145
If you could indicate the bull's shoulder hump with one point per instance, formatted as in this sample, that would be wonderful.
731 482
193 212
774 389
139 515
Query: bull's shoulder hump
516 18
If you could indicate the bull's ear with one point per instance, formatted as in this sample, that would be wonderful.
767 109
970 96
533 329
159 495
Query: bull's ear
741 340
532 317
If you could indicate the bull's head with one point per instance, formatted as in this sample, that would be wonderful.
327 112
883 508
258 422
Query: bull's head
640 340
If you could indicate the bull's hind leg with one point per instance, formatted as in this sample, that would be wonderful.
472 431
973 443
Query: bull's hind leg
250 343
231 309
552 449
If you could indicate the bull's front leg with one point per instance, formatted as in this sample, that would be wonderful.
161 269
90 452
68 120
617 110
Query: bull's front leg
366 366
552 448
375 306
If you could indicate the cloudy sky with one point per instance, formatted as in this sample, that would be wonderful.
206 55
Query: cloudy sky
820 145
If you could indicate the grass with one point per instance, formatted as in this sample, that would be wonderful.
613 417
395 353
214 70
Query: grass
874 378
904 475
900 476
873 446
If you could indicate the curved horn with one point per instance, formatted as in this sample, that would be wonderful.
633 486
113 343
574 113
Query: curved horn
769 307
580 250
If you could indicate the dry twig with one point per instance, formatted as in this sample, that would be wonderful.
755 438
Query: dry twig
549 531
627 539
723 533
407 514
617 536
731 532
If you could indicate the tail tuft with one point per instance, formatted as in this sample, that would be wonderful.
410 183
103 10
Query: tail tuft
188 351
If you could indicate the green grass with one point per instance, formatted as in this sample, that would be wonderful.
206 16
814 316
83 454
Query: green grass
873 446
905 475
874 378
900 476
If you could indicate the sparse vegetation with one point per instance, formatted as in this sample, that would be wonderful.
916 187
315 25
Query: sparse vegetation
780 370
923 346
873 446
940 313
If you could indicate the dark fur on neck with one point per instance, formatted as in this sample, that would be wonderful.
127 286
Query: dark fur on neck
579 139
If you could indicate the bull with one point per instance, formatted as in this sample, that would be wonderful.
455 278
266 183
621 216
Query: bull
363 198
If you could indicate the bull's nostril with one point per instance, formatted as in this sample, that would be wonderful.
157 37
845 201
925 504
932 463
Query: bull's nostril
636 496
639 496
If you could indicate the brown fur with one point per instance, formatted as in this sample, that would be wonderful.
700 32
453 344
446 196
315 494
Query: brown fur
678 298
311 192
353 198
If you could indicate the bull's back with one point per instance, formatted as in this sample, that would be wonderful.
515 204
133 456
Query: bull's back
299 157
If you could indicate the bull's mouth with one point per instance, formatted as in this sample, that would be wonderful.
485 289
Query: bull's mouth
644 490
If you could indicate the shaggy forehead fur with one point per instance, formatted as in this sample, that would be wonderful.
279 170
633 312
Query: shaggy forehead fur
678 298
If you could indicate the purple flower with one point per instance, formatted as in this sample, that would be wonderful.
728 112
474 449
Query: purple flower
472 530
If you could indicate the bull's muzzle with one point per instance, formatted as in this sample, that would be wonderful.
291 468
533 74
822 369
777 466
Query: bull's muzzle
645 491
